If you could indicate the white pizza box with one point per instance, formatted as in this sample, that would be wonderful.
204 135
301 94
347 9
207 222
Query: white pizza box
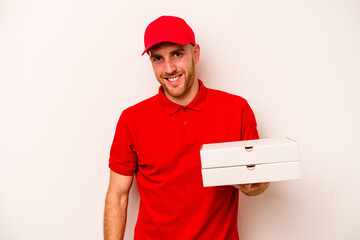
240 162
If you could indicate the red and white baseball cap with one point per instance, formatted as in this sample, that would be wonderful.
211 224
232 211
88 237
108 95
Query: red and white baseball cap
168 29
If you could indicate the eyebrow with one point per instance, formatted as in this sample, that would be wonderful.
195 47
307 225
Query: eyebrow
154 56
179 49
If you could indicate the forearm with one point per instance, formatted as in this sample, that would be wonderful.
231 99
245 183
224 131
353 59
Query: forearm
115 217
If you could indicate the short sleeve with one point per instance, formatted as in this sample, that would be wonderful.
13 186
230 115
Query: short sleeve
123 158
248 125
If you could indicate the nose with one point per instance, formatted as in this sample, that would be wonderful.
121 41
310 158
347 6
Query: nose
170 67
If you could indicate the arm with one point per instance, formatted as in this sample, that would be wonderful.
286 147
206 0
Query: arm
253 189
116 206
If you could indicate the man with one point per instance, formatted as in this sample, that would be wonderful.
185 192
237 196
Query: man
159 141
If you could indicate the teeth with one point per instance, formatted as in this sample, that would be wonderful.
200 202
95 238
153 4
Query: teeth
174 78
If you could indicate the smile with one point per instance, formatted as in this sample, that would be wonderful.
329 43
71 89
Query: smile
174 79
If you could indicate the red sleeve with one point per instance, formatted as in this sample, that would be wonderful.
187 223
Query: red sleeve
248 125
123 159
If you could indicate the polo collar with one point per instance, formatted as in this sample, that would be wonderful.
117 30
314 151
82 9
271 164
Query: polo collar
197 104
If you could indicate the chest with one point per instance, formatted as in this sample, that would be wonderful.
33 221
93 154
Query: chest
173 140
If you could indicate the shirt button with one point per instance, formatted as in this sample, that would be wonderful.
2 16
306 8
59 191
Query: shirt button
184 109
186 123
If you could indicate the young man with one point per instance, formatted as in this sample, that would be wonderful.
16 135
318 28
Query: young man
159 141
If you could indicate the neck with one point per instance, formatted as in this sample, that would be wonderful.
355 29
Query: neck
189 95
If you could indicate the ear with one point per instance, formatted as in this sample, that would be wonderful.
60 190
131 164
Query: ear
196 53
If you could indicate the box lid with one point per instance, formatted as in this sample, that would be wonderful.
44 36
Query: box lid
268 150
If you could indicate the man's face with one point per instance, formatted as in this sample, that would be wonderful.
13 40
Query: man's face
174 68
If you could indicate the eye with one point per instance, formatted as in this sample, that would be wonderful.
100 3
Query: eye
156 58
178 54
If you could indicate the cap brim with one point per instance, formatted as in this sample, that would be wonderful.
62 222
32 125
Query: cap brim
176 41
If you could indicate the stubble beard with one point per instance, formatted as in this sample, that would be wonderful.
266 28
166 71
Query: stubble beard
189 80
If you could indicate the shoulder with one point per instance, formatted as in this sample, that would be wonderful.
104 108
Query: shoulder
148 105
145 104
222 97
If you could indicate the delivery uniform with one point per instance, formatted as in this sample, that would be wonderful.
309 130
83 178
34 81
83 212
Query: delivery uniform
160 142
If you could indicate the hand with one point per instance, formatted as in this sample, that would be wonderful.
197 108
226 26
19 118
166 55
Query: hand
252 189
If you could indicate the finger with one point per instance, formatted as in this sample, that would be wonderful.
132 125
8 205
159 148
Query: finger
257 185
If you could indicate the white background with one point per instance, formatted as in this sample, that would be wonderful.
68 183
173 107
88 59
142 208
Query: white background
68 68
